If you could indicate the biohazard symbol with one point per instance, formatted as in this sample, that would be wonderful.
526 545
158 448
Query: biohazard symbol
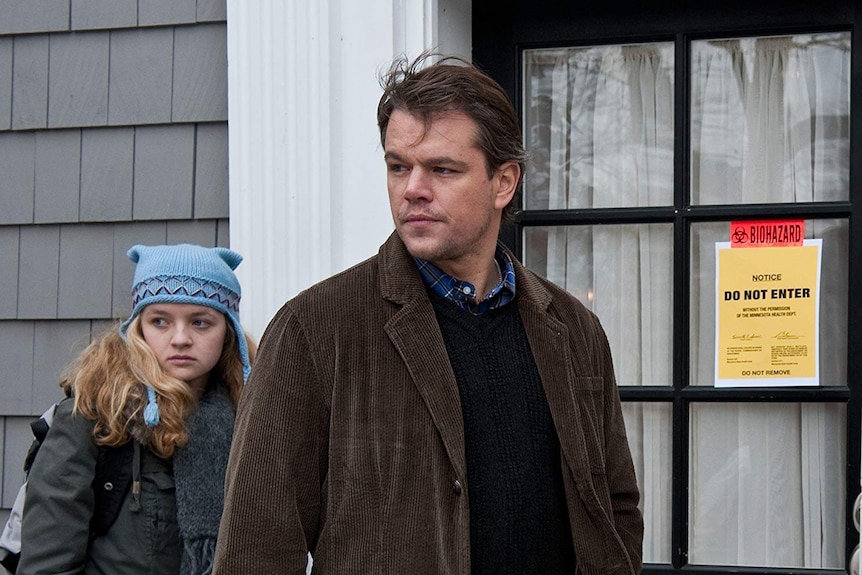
739 236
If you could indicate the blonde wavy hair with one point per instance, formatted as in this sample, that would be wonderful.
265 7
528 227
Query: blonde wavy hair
108 382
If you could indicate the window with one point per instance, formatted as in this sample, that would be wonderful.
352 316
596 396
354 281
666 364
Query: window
640 159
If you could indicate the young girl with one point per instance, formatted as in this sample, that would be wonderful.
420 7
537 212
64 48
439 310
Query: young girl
163 387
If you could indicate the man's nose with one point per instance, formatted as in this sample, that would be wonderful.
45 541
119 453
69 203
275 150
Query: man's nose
418 185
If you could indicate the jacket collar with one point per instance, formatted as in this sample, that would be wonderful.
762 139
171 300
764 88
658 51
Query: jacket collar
399 279
401 283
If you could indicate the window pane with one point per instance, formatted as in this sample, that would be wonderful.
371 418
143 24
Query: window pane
833 299
770 119
598 124
624 274
649 427
767 484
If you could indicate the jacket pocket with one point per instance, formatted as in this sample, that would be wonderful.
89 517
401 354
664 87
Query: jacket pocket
160 506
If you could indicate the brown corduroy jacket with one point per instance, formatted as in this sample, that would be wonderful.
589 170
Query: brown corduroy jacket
350 443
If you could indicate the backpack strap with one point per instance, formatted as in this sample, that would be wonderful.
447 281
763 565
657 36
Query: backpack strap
111 483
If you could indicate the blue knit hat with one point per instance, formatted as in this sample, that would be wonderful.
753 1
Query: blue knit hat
186 273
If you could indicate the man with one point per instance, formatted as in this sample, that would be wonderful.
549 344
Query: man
438 408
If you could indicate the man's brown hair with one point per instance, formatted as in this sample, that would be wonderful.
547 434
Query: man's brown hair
452 84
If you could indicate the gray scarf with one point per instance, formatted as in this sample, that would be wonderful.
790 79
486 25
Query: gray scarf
199 471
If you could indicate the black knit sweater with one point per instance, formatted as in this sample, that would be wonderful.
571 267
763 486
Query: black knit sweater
519 522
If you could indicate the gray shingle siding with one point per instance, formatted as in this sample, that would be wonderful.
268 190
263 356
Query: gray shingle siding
30 82
85 282
5 83
209 10
162 12
211 172
141 76
16 356
17 164
113 132
78 79
80 271
38 272
88 14
57 177
200 73
22 16
107 174
9 276
164 172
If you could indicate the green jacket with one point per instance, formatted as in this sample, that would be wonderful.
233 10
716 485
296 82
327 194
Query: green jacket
349 440
55 535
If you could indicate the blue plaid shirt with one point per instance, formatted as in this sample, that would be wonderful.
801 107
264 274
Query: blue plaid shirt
464 293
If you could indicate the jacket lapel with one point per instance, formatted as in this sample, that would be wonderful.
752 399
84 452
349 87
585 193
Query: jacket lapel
549 341
416 335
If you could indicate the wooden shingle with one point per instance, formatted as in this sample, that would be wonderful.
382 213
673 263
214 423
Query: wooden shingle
55 345
107 156
9 277
86 257
141 71
30 82
17 157
87 14
22 16
162 12
56 188
211 172
5 83
211 11
38 272
200 79
16 377
223 233
164 172
201 232
78 80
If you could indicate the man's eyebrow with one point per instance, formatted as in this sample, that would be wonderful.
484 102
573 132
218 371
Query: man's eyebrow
445 161
436 161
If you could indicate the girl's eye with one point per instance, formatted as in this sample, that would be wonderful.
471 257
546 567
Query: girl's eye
158 322
201 323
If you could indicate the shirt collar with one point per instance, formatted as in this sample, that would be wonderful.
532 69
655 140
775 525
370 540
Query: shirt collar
463 293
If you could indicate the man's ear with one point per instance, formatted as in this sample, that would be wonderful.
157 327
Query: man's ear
506 176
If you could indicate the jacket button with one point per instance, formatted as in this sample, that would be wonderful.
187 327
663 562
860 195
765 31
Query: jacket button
457 487
108 486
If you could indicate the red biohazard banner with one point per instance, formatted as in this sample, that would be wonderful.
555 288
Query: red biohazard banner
766 234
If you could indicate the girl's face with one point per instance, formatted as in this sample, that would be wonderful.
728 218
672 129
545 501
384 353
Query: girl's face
186 338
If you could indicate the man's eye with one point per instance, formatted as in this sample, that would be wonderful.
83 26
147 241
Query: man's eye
442 170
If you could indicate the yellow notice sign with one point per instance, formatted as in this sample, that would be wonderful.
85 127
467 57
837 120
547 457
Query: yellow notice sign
767 315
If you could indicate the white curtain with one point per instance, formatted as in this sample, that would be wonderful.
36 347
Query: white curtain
770 119
770 124
605 117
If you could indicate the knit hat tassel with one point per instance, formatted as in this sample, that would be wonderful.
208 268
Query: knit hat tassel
151 412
